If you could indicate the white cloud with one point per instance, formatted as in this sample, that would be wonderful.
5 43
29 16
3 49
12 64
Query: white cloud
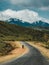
44 8
25 15
5 15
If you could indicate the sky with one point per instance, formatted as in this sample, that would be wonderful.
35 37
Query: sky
40 6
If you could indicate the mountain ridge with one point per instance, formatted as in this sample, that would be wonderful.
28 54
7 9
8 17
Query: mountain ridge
27 24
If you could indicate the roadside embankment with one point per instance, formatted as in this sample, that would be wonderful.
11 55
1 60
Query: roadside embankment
16 53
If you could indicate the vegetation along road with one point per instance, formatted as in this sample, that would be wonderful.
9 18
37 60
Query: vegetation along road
33 57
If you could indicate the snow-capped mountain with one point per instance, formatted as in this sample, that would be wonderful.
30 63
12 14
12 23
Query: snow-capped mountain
27 24
23 17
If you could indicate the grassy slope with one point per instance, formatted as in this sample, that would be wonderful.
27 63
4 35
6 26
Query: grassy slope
15 32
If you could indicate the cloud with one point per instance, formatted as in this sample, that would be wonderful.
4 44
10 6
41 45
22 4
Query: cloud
44 8
25 15
28 3
42 4
17 2
33 3
37 4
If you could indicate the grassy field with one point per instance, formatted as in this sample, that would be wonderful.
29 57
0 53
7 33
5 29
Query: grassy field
11 32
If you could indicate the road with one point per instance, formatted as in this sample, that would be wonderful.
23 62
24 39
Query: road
33 57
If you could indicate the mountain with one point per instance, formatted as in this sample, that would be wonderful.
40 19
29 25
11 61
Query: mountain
27 24
19 22
40 23
24 18
15 32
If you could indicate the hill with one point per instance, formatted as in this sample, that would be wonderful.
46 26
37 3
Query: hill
15 32
12 32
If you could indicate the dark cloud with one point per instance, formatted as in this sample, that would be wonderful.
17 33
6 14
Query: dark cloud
23 4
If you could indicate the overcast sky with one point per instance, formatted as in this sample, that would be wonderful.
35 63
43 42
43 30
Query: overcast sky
40 6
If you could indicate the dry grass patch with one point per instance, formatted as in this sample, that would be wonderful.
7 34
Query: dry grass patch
17 52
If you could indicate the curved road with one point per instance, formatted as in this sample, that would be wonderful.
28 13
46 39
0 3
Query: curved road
33 57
